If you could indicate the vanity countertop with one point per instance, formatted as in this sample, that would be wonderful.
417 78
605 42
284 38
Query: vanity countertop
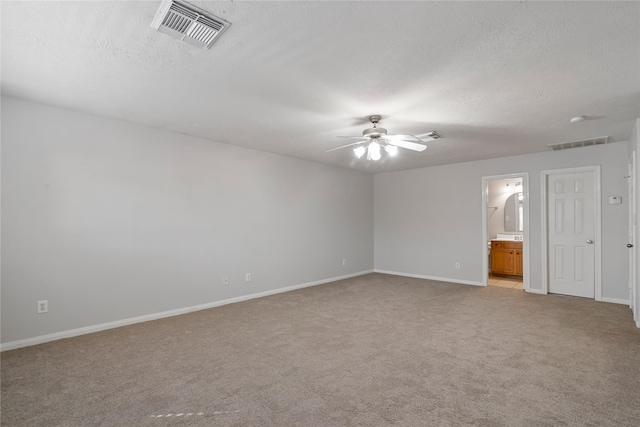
508 238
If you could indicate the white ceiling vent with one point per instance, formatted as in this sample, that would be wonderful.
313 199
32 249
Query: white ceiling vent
582 143
188 23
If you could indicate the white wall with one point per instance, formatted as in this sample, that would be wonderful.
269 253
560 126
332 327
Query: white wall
427 219
109 220
634 146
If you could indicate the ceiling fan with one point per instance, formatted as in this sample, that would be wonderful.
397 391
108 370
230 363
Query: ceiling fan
377 139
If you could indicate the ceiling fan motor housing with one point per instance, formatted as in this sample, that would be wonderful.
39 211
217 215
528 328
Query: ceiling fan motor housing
374 132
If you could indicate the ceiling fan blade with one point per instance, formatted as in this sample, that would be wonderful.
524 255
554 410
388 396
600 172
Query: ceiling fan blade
352 137
404 138
345 146
420 138
408 145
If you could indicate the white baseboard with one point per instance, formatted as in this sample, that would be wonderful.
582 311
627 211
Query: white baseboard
12 345
615 300
421 276
536 291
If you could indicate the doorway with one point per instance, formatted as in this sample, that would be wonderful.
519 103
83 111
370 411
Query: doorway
571 237
505 235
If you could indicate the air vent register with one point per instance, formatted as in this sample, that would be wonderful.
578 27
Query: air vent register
188 23
582 143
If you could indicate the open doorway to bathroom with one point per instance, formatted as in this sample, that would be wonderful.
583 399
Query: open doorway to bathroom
505 231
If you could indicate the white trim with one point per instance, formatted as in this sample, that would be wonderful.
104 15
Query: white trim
537 291
422 276
526 253
543 230
544 176
615 300
633 234
155 316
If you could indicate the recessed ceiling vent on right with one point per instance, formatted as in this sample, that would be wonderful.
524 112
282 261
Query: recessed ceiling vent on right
582 143
188 23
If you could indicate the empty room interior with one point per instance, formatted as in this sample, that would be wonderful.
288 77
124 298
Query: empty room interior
320 213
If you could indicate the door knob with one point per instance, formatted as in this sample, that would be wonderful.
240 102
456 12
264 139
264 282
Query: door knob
629 245
589 241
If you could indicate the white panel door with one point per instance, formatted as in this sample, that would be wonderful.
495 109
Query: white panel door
571 223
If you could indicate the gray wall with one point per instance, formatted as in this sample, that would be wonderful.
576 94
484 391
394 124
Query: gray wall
427 219
109 220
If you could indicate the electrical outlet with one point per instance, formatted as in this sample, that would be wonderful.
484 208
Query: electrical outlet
344 261
247 277
225 280
43 306
457 264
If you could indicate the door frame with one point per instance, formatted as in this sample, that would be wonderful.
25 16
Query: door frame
632 194
526 253
544 176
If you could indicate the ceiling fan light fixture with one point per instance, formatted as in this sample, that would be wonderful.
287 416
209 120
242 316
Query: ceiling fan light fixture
373 151
391 149
359 151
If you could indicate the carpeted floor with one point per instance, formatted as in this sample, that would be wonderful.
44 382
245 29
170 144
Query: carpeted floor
375 350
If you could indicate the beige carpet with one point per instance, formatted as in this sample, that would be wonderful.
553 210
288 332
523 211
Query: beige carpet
375 350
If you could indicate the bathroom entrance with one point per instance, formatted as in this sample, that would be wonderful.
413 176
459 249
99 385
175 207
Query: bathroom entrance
505 231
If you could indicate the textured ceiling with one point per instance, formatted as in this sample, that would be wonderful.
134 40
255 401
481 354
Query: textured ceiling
494 78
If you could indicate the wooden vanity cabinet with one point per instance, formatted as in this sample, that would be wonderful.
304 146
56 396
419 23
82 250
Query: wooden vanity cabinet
506 258
518 260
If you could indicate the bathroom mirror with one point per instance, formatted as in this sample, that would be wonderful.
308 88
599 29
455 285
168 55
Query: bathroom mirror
513 213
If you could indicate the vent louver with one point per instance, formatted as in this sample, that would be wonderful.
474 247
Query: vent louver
188 23
582 143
